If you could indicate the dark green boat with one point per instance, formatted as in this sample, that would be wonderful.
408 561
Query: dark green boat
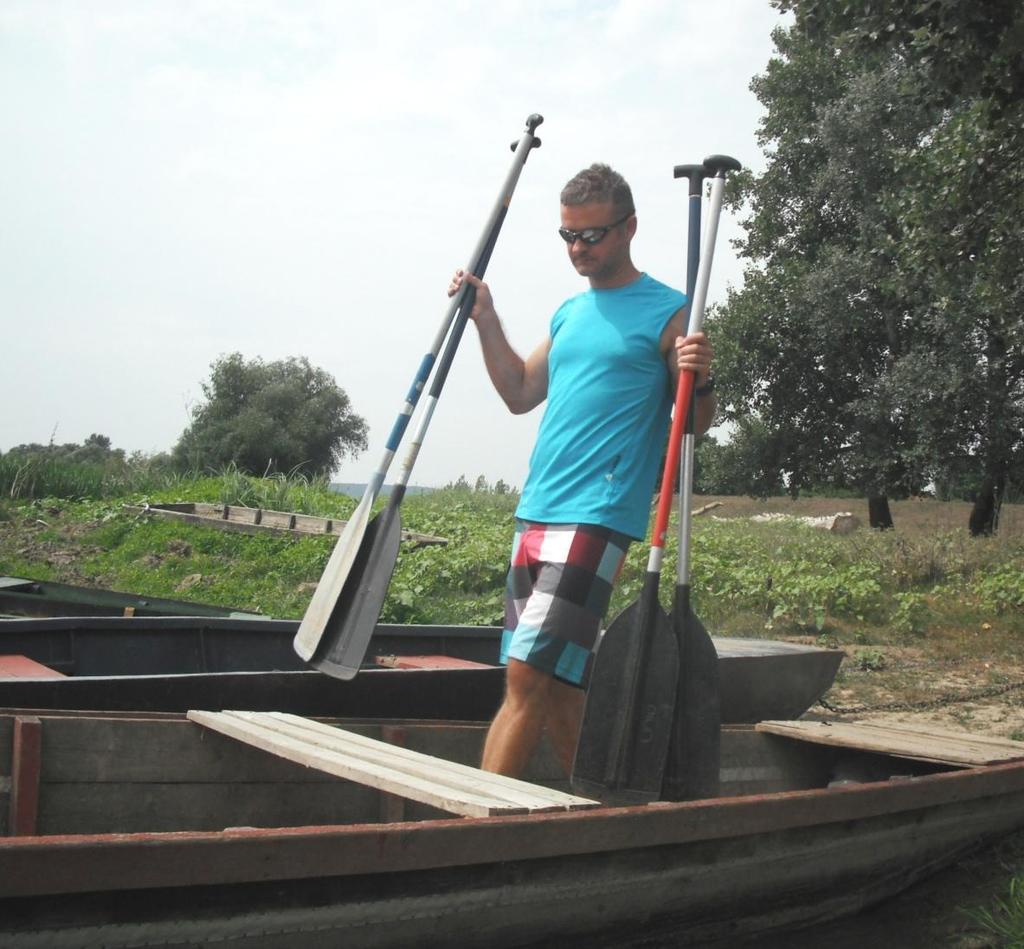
176 663
20 596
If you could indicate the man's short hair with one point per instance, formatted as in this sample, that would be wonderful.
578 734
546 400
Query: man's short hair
597 184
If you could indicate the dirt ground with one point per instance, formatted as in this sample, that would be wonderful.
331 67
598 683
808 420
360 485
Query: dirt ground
983 696
911 516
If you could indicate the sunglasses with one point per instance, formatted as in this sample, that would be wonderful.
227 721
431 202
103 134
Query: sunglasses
590 235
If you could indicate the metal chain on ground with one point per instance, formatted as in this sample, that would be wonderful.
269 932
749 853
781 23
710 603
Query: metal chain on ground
924 704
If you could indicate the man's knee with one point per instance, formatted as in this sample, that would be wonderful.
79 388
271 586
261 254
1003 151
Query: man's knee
526 683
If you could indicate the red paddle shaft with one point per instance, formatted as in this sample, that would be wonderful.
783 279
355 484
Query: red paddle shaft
684 394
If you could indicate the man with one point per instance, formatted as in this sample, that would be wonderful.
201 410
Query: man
608 371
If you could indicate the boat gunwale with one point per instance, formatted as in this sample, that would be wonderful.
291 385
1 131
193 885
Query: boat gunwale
255 622
736 648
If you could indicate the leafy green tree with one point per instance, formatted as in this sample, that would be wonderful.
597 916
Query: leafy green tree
279 417
957 227
742 465
877 337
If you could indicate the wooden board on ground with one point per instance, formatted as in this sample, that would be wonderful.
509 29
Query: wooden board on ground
252 520
906 741
452 787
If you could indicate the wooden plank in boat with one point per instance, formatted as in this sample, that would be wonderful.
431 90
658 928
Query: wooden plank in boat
452 787
905 741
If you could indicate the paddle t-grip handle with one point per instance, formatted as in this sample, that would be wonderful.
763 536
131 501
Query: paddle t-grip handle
531 126
718 165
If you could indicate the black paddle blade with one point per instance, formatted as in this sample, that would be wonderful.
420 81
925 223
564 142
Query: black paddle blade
694 758
347 632
627 719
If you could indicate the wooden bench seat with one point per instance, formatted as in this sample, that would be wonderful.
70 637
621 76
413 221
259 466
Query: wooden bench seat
920 743
456 788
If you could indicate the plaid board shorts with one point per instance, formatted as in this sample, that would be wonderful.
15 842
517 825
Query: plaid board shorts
559 584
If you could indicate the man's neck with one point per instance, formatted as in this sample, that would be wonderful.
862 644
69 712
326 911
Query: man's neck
620 278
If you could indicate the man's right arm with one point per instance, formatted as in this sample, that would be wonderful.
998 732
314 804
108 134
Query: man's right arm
521 383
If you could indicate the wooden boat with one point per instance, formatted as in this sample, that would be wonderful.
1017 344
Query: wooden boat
451 672
21 596
252 520
263 830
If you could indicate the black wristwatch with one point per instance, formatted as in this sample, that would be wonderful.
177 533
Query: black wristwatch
705 389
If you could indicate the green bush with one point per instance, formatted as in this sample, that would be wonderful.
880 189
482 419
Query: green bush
1000 589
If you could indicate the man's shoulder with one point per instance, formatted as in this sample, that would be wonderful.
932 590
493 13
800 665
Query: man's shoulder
653 285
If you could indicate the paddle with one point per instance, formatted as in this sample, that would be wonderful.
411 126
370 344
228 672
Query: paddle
346 604
692 768
628 718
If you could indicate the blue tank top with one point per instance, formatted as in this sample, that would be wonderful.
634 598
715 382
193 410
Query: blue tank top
603 433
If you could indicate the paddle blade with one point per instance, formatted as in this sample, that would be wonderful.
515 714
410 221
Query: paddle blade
332 580
351 623
627 719
694 757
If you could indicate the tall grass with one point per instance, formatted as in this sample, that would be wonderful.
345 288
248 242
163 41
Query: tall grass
31 478
1005 918
36 477
278 492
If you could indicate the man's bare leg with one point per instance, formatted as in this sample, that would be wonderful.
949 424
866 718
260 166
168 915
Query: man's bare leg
517 728
565 713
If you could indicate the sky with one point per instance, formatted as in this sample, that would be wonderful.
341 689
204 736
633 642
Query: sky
180 180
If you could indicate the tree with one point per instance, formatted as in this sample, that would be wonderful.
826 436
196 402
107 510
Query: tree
283 416
95 450
742 465
957 226
872 342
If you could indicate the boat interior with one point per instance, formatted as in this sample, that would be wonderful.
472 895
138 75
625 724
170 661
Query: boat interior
80 773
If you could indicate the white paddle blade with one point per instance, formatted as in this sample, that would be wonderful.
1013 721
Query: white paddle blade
332 581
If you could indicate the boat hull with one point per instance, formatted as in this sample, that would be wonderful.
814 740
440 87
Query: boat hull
178 663
795 854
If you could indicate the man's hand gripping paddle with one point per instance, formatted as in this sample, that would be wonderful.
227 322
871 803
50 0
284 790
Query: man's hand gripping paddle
335 632
629 716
